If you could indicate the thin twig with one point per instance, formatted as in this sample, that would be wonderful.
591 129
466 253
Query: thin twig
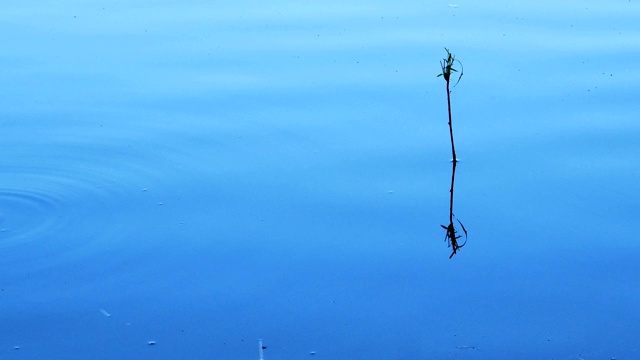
451 235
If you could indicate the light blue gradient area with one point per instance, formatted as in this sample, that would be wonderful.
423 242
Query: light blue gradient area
205 174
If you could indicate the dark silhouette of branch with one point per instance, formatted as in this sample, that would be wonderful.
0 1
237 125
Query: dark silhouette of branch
451 235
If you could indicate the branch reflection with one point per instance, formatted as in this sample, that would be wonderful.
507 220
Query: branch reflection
451 237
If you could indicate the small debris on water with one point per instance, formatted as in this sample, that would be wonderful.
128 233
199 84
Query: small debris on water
151 343
16 348
453 5
467 347
160 203
312 353
105 313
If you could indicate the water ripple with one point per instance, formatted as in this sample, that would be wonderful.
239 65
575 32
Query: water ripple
48 216
26 215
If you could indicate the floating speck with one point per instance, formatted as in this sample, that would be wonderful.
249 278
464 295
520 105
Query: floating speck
16 348
144 189
390 191
105 313
453 5
312 353
151 343
160 203
467 347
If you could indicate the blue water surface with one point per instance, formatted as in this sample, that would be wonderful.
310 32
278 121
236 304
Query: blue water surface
181 179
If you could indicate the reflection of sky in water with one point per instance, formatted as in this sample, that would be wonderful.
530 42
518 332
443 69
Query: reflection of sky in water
209 175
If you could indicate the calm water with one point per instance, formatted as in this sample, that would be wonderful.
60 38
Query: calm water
201 176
